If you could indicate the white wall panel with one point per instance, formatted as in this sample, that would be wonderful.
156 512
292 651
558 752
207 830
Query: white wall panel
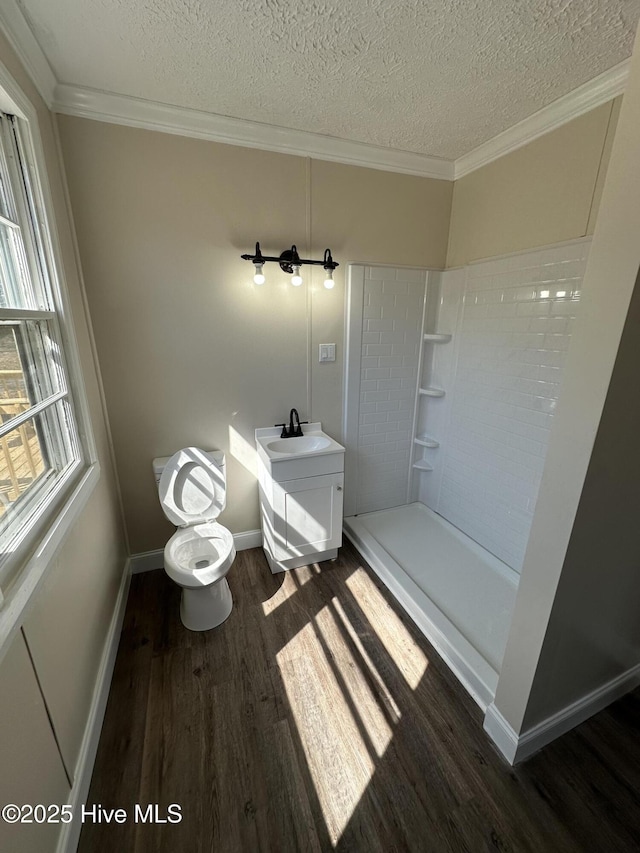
391 339
511 343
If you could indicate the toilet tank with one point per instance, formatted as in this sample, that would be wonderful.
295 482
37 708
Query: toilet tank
216 456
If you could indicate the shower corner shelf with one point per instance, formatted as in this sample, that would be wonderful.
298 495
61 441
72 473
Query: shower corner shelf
436 338
425 440
431 392
422 465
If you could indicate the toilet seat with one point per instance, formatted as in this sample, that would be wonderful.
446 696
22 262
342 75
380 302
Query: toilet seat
192 487
193 494
192 491
199 555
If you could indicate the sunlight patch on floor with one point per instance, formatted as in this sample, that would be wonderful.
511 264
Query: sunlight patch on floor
290 585
342 724
384 696
408 656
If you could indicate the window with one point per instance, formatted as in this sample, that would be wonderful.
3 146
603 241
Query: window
39 442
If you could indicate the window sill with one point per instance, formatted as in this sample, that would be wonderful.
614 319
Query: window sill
22 594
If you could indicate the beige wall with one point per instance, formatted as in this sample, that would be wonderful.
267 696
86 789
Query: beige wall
66 629
31 768
575 624
191 351
545 192
68 624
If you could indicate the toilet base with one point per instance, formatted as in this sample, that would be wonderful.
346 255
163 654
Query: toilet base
206 608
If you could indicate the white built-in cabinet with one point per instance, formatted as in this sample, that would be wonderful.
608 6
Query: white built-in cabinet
307 515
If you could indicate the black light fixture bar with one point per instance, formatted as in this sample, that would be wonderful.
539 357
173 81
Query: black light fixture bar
290 259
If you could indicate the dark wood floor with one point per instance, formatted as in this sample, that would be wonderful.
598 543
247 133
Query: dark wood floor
318 718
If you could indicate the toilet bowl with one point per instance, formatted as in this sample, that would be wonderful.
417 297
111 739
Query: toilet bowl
192 490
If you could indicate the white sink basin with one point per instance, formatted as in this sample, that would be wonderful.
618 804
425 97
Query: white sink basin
308 455
299 444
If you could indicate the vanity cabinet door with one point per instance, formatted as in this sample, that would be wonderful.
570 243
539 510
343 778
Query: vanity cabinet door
308 515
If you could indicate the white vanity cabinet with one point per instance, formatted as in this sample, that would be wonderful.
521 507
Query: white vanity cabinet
308 515
301 498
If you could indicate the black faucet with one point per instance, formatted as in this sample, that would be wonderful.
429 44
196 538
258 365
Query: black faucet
298 430
294 427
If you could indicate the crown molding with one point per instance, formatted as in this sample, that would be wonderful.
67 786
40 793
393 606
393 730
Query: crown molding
587 97
152 115
22 40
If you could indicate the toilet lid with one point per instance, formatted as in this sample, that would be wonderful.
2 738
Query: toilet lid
192 487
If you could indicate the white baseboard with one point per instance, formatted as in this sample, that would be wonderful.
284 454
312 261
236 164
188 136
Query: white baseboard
501 733
148 561
70 834
248 539
516 748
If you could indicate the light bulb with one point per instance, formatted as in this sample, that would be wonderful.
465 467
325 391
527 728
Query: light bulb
296 278
329 282
259 276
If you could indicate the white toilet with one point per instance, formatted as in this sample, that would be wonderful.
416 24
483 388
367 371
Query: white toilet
193 488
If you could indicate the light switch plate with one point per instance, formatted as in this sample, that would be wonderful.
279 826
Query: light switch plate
327 352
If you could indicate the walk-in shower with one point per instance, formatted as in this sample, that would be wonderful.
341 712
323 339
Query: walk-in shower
452 379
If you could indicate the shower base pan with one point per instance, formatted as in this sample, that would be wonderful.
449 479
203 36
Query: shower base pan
459 595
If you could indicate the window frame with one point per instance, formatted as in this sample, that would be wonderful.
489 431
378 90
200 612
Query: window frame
36 546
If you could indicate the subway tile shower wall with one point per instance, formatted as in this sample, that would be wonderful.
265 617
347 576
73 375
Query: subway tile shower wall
391 340
511 342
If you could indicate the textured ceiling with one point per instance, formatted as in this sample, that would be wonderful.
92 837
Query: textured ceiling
437 77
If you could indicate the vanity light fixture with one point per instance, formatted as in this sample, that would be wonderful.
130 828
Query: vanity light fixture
290 262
